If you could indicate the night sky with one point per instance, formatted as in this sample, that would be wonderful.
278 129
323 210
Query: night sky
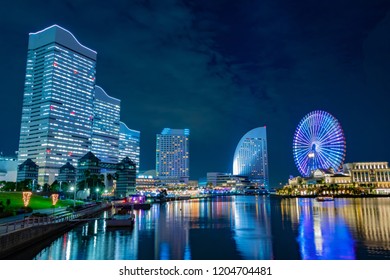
221 68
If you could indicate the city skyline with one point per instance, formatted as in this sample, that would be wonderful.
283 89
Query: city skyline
208 67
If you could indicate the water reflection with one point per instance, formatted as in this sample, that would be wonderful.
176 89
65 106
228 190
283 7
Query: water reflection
253 228
342 229
237 228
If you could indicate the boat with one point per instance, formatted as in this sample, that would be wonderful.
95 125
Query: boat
121 217
324 198
138 202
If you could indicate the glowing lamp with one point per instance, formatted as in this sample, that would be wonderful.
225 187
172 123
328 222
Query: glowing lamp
26 198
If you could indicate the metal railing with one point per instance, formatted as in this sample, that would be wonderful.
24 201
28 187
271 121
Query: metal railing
32 221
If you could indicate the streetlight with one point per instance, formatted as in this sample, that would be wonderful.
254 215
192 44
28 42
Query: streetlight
97 193
73 189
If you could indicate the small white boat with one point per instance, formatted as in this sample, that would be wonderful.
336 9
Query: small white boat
118 220
324 198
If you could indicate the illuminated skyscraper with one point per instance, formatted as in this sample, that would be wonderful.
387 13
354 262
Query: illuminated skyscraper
251 157
129 141
58 101
172 155
105 128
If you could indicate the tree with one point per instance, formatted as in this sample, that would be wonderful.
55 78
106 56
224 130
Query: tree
9 186
46 187
55 186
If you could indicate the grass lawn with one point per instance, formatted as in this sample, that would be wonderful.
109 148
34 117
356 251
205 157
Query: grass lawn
36 202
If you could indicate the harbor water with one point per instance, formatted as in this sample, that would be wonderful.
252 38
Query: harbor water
234 228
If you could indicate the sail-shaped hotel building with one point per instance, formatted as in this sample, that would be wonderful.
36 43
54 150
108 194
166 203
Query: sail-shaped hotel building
251 157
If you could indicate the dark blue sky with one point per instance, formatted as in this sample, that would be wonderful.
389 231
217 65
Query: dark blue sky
221 68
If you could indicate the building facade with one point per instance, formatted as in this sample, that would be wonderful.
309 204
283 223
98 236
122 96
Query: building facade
8 168
129 144
126 178
376 174
67 174
251 157
57 109
88 166
172 155
105 127
28 170
226 180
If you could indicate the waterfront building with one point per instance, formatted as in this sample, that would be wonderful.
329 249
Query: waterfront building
57 112
227 180
172 156
88 166
126 178
67 174
193 184
375 174
129 144
105 127
28 170
251 157
321 176
8 168
146 180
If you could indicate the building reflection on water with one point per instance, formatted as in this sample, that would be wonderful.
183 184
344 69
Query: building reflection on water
253 229
237 228
331 230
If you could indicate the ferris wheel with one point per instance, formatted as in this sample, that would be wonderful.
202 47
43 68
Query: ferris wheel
319 143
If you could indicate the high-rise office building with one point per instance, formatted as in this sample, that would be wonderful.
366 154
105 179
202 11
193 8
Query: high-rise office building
105 128
251 157
129 144
58 101
172 155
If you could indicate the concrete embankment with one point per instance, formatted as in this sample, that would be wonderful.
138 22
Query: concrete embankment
26 236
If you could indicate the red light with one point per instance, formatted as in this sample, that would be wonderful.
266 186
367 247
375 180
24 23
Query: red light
75 71
48 151
55 64
70 153
51 107
73 113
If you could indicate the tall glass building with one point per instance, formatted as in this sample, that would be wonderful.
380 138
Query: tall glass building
172 155
251 157
58 96
105 128
129 144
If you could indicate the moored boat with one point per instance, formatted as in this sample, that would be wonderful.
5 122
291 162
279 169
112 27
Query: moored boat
324 198
121 220
121 217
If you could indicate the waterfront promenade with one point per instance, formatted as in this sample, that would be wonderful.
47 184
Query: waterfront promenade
20 231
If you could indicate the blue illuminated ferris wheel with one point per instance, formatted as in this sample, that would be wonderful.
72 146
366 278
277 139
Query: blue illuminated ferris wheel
319 143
